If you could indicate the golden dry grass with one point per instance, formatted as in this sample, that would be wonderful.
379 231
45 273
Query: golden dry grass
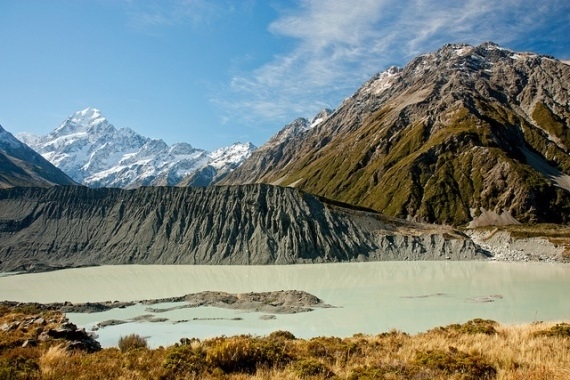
479 349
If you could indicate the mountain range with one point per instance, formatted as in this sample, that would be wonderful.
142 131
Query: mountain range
466 135
88 148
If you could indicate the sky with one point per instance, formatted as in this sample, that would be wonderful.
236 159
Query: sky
214 72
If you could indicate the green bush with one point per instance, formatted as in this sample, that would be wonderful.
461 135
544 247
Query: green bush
281 335
393 372
19 368
333 349
561 330
245 353
238 354
475 326
308 368
469 367
185 360
132 342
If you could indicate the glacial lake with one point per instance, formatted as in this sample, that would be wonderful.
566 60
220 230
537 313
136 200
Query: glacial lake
370 298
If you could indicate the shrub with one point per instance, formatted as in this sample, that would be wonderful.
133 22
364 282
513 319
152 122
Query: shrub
245 353
393 372
281 335
561 330
185 360
237 354
19 367
469 367
333 349
132 342
475 326
307 368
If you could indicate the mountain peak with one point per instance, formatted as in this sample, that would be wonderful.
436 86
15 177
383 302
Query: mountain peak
89 120
7 139
93 152
320 117
454 134
87 117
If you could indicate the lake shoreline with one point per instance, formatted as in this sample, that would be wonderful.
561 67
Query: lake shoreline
52 347
368 297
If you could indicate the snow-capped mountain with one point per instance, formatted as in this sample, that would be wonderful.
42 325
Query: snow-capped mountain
22 166
95 153
221 162
297 127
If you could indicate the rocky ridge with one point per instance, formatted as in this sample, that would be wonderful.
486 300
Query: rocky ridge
457 136
22 166
252 224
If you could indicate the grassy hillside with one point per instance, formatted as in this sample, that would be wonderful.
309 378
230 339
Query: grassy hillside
457 132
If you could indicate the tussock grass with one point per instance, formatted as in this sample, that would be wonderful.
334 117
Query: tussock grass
477 349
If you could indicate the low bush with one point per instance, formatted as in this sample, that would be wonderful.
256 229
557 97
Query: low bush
185 360
334 350
453 361
308 368
281 335
561 330
245 354
475 326
392 372
16 366
132 342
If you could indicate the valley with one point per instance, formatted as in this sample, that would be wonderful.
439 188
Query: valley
436 195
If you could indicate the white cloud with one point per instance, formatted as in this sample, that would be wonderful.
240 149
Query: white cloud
158 13
341 43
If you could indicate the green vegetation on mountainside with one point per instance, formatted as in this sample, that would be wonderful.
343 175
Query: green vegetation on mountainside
437 171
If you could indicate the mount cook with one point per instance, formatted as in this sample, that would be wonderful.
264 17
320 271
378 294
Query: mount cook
94 153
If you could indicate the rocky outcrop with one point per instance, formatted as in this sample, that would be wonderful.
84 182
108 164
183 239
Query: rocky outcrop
32 324
458 132
507 246
251 224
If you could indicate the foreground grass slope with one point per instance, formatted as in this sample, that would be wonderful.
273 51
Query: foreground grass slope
478 349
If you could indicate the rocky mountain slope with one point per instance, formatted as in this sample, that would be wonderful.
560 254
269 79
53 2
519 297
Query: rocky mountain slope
22 166
252 224
466 134
96 154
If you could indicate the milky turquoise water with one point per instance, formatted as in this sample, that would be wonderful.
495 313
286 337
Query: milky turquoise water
369 297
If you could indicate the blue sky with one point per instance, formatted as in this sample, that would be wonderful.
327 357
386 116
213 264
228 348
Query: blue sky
213 72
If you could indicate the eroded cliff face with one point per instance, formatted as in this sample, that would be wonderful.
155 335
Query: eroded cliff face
250 224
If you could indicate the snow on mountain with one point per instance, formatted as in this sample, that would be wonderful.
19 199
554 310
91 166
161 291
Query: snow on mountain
20 165
220 163
297 127
234 154
93 152
7 140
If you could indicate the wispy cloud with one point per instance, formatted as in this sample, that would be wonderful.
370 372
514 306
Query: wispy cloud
144 15
339 44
